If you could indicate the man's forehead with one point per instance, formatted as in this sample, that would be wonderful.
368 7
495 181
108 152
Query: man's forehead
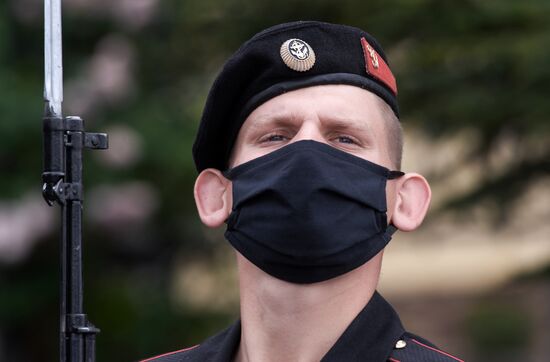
339 105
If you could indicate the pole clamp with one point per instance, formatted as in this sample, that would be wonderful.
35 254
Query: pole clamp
79 324
62 192
96 141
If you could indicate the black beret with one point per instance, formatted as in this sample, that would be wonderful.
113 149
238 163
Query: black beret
280 59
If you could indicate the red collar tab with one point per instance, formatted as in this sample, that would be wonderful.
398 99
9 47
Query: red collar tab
377 67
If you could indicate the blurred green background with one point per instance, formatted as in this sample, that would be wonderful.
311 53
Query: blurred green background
474 86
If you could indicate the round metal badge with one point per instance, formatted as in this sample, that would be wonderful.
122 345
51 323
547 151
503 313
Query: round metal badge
297 55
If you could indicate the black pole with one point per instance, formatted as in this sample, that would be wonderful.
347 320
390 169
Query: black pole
72 214
52 177
64 140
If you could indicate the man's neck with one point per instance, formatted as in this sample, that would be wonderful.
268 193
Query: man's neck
282 321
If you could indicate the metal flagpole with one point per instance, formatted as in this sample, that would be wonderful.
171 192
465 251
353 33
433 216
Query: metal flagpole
64 140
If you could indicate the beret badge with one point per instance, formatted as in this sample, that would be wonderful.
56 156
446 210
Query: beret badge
297 55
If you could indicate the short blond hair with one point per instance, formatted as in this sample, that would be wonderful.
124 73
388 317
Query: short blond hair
394 132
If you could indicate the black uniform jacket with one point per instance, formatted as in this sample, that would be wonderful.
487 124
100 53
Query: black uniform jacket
375 335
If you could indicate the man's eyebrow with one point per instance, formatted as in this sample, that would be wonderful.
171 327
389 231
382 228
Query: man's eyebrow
278 119
345 122
341 122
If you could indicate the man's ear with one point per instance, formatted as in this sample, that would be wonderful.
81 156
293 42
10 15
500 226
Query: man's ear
213 197
413 197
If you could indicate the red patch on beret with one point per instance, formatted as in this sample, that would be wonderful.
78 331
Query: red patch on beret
377 67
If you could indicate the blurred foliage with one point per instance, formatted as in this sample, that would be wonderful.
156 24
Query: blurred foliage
480 65
537 274
497 329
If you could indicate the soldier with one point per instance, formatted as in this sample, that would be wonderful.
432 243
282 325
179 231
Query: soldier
298 152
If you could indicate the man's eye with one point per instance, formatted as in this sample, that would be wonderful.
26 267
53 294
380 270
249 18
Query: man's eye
273 138
345 139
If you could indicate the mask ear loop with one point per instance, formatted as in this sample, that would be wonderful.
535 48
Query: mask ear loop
391 229
395 174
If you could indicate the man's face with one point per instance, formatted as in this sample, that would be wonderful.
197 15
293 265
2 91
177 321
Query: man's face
345 117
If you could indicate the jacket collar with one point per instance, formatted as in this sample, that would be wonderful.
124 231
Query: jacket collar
371 336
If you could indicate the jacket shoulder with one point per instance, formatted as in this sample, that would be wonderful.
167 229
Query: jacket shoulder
412 348
218 347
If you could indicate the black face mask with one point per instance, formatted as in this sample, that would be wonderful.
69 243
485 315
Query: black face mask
308 212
